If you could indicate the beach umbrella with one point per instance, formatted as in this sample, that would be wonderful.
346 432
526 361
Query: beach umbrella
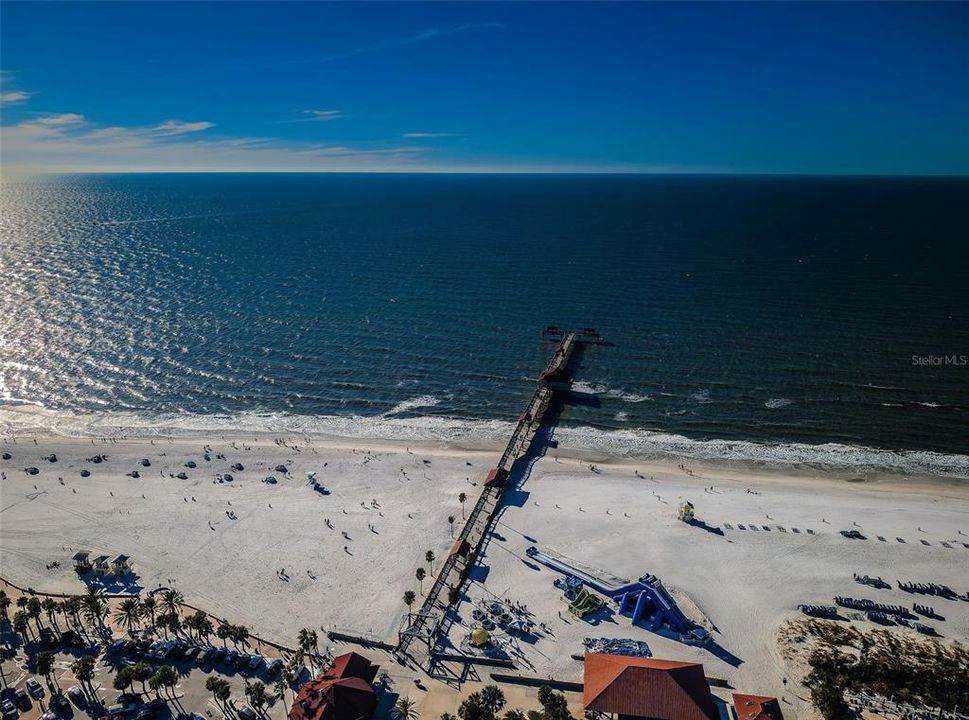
480 637
145 462
7 456
31 470
85 473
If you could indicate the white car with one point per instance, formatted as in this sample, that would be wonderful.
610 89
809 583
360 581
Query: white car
34 688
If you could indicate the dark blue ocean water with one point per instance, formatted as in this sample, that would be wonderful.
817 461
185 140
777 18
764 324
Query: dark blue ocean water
768 313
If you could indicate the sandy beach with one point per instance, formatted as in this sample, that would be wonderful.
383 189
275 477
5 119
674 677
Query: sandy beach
264 554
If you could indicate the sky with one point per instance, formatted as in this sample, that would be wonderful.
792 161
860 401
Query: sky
814 88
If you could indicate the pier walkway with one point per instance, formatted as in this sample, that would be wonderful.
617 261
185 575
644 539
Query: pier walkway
423 624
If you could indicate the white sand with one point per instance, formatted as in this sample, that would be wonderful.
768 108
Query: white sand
745 582
231 570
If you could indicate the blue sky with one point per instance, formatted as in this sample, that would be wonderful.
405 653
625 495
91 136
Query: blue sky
859 88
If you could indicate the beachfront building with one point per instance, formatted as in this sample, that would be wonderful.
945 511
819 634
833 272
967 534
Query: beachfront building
82 561
757 707
343 692
639 688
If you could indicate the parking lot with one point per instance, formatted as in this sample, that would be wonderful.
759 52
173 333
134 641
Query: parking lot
27 695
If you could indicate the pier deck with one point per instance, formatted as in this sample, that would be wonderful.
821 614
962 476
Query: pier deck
423 625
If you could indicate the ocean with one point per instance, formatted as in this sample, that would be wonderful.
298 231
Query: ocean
820 321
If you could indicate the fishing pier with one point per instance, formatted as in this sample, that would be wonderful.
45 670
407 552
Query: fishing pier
423 625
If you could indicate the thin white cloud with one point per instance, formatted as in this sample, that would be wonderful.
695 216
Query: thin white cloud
443 32
12 97
323 115
422 135
58 120
68 143
177 127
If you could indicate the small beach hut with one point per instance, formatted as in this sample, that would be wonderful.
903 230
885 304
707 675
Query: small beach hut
461 548
100 565
82 561
121 564
497 477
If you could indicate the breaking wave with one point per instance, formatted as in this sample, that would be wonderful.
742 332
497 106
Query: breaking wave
630 443
606 391
413 404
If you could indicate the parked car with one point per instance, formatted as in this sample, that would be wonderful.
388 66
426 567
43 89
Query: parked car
255 661
193 652
241 662
116 646
145 713
34 688
9 710
247 713
206 655
128 698
60 705
274 667
219 655
21 700
76 695
230 658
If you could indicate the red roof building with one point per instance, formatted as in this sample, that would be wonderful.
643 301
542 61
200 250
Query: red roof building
757 707
343 692
637 687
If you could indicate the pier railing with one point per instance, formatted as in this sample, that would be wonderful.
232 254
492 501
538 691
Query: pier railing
478 520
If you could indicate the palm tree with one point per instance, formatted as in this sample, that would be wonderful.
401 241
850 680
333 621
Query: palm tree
220 689
256 695
285 680
34 610
122 679
461 498
172 599
129 613
223 632
141 671
515 714
164 677
4 604
420 575
148 606
51 606
429 556
44 665
72 609
21 624
95 606
450 522
83 669
404 709
408 601
492 698
240 635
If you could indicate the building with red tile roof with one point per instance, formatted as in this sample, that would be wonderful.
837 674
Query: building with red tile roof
757 707
638 687
343 692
